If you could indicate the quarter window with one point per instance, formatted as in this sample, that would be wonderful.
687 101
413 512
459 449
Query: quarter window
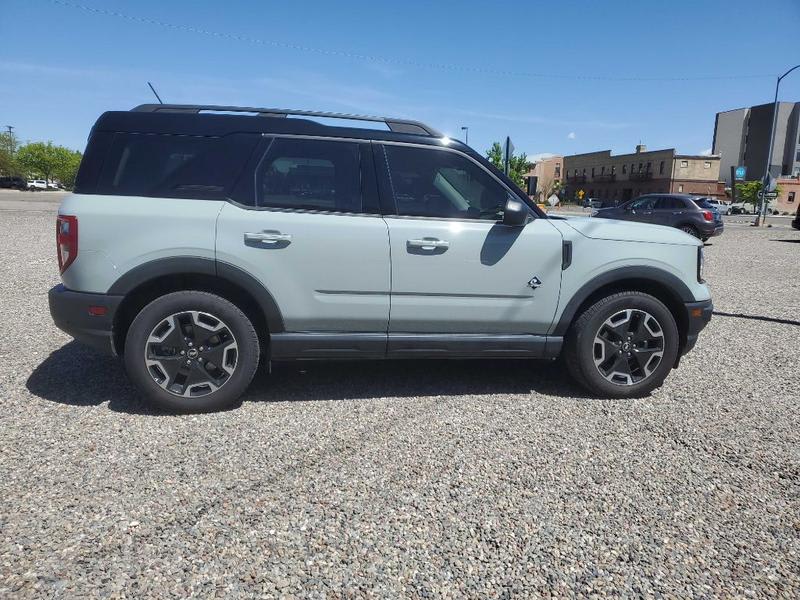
439 183
310 175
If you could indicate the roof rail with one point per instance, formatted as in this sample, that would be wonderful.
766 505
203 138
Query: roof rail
396 125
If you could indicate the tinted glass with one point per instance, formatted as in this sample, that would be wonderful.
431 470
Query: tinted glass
669 204
175 166
644 203
310 175
437 183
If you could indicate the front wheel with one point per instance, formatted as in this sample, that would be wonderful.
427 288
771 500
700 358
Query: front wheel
623 346
191 352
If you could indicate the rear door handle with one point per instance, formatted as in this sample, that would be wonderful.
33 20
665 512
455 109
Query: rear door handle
267 238
428 244
678 212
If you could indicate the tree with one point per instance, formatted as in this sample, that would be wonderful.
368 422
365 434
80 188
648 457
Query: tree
43 159
749 192
518 165
67 169
8 148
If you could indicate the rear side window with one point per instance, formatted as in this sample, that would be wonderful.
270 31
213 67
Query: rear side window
304 174
668 203
175 166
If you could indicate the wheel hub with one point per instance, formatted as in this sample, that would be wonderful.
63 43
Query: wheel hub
173 351
628 347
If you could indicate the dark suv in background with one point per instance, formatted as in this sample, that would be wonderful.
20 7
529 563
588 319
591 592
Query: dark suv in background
687 213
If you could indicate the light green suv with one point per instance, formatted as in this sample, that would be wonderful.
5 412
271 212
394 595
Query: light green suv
202 240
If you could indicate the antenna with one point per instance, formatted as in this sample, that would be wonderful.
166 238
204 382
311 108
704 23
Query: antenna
155 92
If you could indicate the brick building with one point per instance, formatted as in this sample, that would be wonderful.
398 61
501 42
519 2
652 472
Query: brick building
549 174
625 176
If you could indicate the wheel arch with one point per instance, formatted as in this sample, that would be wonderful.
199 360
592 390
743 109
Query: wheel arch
660 284
143 284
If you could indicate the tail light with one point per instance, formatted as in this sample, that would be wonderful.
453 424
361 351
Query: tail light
66 241
708 215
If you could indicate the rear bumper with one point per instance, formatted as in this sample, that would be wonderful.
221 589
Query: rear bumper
712 229
70 312
698 314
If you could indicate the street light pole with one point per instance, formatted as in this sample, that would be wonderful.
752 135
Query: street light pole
466 135
761 217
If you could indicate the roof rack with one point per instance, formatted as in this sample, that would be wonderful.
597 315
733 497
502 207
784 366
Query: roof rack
396 125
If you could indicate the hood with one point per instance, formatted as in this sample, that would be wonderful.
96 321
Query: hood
630 231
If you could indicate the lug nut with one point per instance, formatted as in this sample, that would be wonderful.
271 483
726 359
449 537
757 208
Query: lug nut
183 352
188 362
190 344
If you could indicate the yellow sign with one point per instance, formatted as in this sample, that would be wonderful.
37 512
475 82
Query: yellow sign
581 194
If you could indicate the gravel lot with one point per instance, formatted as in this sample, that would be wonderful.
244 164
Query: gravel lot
411 478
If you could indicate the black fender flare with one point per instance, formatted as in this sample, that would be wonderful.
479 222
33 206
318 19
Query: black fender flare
197 265
679 291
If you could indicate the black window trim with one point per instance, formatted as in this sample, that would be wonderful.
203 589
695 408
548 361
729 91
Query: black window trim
383 173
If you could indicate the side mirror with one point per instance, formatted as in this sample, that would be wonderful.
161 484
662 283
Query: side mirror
515 213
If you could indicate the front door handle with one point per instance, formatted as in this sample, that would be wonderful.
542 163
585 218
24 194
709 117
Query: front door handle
428 244
267 238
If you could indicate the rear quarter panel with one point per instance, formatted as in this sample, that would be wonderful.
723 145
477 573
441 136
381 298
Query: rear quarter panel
118 233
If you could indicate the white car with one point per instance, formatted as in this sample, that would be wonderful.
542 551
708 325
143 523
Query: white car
722 206
37 184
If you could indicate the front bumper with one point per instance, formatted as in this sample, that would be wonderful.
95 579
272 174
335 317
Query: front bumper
71 313
698 314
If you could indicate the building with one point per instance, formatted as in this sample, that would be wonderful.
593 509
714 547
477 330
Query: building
624 176
549 176
741 138
788 195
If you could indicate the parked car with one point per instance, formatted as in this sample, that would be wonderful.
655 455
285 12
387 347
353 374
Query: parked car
13 183
37 184
796 220
593 203
673 210
288 239
723 207
740 208
54 185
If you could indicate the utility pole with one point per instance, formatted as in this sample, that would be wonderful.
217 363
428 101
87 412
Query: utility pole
761 217
466 135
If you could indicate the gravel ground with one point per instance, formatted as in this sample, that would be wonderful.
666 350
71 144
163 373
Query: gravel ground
410 478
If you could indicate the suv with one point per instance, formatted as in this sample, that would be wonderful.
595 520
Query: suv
37 184
197 244
13 183
686 213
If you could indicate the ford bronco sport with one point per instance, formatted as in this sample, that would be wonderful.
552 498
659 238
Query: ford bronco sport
202 240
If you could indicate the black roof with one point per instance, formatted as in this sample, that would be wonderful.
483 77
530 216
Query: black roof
210 120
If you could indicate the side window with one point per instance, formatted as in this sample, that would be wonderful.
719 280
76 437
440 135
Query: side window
438 183
175 166
310 175
669 204
644 203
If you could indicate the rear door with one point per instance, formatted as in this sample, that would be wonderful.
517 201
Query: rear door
313 235
669 211
455 267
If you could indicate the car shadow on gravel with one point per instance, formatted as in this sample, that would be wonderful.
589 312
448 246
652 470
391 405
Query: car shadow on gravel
364 380
76 375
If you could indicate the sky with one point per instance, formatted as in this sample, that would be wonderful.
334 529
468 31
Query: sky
557 77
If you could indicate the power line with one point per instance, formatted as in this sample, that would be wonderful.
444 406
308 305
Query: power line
379 59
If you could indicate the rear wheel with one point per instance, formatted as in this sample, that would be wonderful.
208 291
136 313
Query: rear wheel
691 230
191 352
623 346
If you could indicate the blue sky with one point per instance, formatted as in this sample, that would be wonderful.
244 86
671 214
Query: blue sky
450 63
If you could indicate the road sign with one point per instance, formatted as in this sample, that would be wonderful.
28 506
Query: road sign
741 173
771 195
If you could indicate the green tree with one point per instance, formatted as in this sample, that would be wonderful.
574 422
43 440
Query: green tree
8 148
518 165
43 159
67 168
749 191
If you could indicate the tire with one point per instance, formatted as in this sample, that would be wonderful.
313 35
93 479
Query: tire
582 353
690 229
191 352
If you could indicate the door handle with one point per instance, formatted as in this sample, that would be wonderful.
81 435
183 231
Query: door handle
267 237
678 212
428 244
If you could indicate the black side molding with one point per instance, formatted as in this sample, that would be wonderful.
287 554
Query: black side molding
671 284
566 254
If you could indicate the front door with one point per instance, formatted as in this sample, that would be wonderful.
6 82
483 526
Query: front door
314 238
455 268
642 210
